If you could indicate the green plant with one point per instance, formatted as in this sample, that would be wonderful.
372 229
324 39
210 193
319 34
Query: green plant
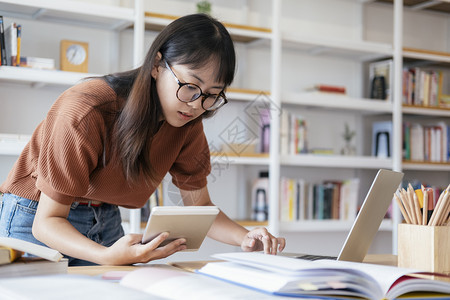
204 7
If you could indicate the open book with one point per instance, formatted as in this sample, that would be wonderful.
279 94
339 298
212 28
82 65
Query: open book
281 275
39 260
173 283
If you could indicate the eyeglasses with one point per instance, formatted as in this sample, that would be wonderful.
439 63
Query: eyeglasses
189 92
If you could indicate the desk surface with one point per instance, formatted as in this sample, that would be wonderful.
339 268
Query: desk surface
381 259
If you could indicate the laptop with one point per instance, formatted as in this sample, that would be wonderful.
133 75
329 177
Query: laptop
368 220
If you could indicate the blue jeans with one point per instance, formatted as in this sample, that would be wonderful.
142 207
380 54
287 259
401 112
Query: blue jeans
101 224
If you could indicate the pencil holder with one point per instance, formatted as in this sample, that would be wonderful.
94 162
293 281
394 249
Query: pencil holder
422 247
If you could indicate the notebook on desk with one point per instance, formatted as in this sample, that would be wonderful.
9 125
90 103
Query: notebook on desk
368 220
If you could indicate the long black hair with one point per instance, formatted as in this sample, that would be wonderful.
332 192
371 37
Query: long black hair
191 40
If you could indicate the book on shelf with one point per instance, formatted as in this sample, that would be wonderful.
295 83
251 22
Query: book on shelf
285 276
293 133
328 88
3 61
426 142
11 44
328 200
37 63
37 259
423 87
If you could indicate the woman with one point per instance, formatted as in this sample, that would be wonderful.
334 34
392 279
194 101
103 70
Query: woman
109 142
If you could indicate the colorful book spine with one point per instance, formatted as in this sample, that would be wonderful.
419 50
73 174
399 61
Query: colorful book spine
19 42
3 61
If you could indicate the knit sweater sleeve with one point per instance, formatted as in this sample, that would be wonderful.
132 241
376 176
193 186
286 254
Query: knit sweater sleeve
71 144
193 164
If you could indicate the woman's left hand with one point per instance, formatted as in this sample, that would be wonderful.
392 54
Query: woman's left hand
260 239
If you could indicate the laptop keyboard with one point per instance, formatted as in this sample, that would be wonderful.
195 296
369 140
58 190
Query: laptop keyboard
315 257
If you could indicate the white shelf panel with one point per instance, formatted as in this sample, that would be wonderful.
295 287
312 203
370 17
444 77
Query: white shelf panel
337 101
336 161
426 167
347 48
157 22
12 144
326 226
239 160
428 111
70 12
427 56
236 96
39 77
250 34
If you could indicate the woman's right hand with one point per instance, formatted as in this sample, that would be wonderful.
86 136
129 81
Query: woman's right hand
129 250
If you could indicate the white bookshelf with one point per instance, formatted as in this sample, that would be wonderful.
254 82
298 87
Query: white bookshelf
273 39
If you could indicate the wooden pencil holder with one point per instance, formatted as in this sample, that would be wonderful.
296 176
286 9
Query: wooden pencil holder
426 248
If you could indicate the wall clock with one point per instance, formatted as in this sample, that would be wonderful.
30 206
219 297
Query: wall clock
74 56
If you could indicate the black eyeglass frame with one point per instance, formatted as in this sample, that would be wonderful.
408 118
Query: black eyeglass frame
201 94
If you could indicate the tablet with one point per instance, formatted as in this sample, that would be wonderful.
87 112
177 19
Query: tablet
189 222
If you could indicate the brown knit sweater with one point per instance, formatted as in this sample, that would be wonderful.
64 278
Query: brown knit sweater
68 156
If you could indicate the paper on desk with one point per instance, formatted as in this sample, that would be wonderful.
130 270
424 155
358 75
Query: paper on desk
67 287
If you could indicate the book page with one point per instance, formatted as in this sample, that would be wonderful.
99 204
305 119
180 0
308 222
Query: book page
174 284
384 276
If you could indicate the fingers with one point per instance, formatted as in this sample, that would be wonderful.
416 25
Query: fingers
267 242
154 243
153 249
281 244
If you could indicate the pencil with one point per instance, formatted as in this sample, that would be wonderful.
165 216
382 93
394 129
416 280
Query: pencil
415 204
425 207
443 213
402 208
437 209
407 203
